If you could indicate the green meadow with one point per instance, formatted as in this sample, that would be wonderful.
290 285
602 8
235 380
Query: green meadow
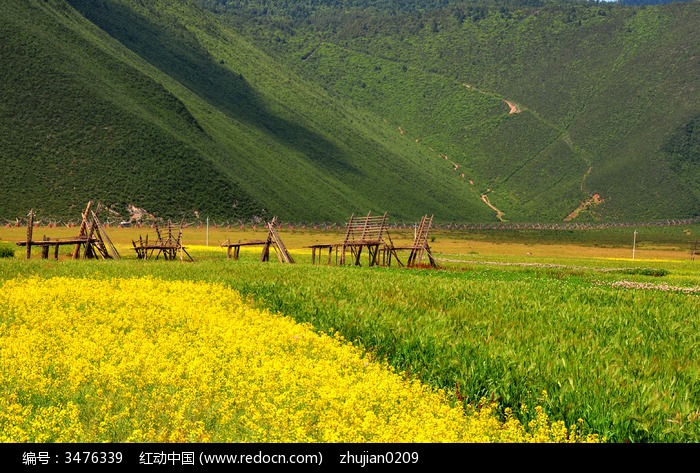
587 326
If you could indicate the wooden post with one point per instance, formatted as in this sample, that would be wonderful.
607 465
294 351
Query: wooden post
358 254
265 256
83 231
30 229
45 249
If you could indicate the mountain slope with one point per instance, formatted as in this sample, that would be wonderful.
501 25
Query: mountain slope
158 113
314 111
602 92
78 123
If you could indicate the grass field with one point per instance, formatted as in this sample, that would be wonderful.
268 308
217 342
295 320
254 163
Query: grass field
651 243
597 330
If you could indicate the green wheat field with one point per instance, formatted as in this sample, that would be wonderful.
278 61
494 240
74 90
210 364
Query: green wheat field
521 336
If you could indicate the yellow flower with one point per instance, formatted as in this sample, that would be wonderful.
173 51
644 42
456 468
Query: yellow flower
148 360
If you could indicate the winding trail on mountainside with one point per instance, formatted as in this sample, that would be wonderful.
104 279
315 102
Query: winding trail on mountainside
485 199
593 201
513 108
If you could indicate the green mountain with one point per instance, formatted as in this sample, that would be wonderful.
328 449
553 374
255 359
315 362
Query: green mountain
313 110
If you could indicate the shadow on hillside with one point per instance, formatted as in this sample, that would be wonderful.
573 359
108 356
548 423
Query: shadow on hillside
175 51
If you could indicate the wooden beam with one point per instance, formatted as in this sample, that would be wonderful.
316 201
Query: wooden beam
30 229
83 227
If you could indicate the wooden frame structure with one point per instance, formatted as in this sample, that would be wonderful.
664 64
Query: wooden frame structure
371 233
168 245
235 248
367 232
420 246
324 246
91 239
273 241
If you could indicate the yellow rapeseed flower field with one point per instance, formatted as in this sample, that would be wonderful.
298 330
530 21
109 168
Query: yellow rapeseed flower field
149 360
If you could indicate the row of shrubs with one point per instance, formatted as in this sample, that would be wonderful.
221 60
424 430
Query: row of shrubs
7 251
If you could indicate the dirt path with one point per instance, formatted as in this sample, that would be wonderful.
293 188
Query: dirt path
593 201
499 214
514 107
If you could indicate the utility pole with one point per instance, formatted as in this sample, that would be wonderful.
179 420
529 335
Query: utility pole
634 244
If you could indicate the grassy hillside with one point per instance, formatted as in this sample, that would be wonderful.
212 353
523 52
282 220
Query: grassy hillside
601 92
311 111
81 122
164 109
